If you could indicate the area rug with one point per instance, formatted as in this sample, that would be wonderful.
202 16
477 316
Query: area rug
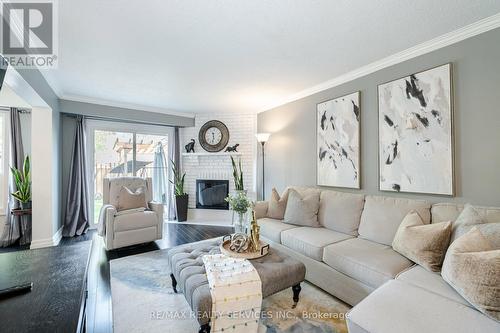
143 301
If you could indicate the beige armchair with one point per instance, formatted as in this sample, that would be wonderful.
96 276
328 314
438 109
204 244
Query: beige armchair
126 228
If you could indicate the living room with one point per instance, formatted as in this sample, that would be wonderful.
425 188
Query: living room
284 166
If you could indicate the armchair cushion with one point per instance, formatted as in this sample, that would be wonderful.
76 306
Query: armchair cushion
128 211
135 220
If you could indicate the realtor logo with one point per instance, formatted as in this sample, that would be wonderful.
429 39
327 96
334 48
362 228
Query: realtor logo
29 33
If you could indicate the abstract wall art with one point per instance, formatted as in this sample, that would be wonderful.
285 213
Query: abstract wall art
415 133
338 142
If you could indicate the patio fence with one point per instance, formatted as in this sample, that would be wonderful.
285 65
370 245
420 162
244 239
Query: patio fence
103 170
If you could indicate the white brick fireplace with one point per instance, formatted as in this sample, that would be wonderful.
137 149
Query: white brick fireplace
205 165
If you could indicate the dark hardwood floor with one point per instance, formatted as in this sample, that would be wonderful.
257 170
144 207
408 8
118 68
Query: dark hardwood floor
99 315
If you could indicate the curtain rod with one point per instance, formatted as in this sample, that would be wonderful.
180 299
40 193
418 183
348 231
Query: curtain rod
74 115
21 110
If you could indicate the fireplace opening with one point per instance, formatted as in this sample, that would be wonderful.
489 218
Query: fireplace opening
211 194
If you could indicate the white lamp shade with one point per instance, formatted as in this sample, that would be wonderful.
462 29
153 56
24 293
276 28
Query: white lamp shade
262 137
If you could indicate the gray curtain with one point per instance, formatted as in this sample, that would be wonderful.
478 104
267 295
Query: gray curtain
173 155
77 213
12 229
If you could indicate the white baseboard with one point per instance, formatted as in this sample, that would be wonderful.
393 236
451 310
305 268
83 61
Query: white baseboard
47 242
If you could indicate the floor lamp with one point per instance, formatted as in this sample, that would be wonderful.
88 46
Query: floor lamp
262 138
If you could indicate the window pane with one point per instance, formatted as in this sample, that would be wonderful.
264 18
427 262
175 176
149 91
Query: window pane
113 157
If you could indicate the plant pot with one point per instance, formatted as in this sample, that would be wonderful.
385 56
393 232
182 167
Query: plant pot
181 207
25 205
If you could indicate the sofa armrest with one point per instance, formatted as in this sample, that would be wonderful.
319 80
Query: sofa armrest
158 209
261 209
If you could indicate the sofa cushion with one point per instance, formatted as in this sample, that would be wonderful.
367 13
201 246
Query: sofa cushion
135 220
422 243
366 261
450 211
302 209
430 281
472 267
340 211
311 241
401 307
271 228
382 216
304 190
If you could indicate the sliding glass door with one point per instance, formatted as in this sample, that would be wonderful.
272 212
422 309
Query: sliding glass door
121 150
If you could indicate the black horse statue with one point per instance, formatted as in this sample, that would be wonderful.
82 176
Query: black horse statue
232 148
190 147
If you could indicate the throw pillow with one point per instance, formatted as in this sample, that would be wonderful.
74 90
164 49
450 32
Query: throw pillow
424 244
130 200
277 205
467 219
472 268
302 210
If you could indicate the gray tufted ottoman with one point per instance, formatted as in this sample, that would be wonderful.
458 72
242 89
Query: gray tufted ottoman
277 272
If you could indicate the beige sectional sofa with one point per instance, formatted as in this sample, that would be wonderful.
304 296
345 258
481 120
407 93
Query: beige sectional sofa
351 257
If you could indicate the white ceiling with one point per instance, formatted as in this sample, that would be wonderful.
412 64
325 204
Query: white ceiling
235 55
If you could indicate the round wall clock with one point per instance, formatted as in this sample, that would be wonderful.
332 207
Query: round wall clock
213 136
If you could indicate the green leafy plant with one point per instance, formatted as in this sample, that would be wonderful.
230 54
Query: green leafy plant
22 179
237 175
239 202
178 180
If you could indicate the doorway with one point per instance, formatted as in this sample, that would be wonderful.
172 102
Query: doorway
125 150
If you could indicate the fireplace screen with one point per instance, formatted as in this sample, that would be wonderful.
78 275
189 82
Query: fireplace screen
211 194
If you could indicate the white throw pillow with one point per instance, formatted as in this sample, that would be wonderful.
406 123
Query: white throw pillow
467 219
302 210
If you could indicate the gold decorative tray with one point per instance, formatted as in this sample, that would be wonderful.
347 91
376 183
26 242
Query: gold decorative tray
224 249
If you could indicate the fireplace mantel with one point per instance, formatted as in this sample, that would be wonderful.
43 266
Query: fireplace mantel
212 154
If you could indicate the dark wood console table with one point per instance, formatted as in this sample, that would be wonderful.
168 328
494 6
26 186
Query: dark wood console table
58 298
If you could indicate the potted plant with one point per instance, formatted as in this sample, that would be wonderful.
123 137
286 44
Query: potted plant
237 176
22 180
239 203
181 198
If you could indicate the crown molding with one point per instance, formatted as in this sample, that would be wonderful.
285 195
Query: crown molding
471 30
90 100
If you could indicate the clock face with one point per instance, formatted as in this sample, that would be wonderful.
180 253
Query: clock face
213 136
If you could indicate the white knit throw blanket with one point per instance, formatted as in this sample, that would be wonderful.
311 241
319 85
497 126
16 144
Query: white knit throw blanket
236 292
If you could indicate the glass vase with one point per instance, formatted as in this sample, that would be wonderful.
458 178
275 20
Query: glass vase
240 222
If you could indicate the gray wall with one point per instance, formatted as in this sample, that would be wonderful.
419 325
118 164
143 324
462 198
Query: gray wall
291 151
